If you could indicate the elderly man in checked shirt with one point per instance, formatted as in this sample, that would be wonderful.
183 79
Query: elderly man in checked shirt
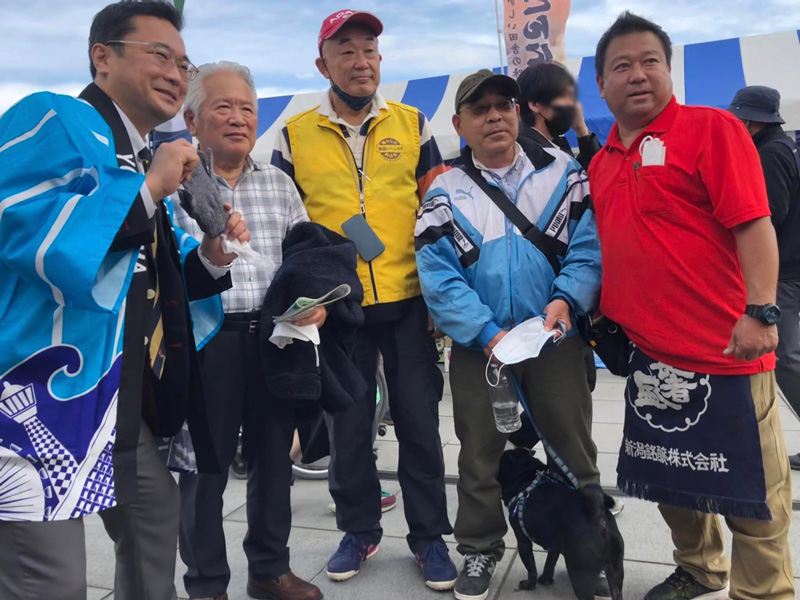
221 111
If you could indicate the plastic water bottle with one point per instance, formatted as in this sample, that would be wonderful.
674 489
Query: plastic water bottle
505 403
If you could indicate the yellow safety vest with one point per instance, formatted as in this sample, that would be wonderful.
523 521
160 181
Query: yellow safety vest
386 194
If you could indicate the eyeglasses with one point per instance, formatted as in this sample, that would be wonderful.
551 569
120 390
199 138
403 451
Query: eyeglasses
164 56
481 110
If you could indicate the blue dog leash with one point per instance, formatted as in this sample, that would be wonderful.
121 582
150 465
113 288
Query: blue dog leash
516 508
569 477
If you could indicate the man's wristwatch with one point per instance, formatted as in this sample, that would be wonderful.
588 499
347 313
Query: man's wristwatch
768 314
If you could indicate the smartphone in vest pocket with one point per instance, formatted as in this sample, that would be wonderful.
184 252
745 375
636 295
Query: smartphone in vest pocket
367 242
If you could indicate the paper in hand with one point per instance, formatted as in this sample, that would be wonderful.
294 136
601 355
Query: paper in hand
301 307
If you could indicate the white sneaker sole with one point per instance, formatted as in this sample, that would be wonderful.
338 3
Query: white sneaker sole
718 595
350 574
384 509
619 506
441 586
465 597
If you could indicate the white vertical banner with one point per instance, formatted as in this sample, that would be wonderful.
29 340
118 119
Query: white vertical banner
534 32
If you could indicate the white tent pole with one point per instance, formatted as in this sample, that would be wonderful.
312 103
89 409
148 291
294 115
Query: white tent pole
499 32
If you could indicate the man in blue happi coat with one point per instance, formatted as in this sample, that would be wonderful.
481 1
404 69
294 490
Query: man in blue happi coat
98 354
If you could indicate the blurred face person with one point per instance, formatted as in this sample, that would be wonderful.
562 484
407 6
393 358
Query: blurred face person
227 121
559 115
351 62
548 98
636 81
489 122
146 72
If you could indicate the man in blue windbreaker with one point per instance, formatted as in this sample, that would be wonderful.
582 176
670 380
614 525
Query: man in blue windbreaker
481 276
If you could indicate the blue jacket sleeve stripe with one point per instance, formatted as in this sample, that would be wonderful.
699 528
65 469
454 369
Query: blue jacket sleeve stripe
456 308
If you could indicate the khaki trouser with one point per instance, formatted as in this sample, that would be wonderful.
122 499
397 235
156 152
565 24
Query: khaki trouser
760 567
558 394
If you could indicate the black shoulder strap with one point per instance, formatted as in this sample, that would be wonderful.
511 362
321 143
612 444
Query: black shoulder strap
105 106
794 149
547 245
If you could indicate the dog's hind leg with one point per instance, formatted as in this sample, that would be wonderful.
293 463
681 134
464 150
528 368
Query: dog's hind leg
615 575
549 568
525 549
584 571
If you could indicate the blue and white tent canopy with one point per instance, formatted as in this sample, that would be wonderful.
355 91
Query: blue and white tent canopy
706 74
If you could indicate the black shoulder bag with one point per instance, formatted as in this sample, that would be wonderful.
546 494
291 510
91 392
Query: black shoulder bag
547 245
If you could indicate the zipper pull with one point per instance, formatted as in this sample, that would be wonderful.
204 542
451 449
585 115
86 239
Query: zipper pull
364 175
636 166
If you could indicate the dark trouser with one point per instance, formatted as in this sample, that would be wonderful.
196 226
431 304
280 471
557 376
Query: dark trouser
43 561
787 372
232 374
415 389
556 387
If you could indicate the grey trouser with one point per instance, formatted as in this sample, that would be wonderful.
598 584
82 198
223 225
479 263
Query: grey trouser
557 392
787 372
45 561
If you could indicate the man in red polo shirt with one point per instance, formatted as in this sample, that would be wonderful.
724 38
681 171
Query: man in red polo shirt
690 268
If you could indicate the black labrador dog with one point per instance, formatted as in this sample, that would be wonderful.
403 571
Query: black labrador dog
574 523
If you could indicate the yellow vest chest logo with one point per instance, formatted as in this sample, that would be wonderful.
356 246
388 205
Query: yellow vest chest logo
390 149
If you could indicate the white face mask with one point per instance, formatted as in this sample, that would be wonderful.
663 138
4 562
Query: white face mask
525 341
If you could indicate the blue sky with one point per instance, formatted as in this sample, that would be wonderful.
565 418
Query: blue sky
43 42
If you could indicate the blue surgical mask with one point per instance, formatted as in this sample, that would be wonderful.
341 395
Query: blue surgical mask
353 102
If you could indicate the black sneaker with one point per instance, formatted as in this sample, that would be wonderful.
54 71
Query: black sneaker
682 586
794 462
601 590
474 577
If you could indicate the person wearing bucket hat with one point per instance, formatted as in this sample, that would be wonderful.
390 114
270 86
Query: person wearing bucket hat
362 165
759 108
481 275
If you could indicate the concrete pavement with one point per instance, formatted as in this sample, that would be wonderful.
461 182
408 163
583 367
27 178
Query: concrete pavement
392 574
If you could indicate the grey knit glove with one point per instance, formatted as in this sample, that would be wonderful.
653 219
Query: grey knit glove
200 197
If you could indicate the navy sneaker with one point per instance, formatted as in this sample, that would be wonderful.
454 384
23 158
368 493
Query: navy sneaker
438 570
346 561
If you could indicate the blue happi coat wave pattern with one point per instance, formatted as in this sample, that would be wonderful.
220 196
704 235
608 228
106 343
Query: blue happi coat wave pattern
63 197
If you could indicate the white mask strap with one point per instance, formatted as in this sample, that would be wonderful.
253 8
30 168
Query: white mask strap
486 372
647 138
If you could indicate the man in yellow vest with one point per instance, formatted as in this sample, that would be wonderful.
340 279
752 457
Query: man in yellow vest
362 165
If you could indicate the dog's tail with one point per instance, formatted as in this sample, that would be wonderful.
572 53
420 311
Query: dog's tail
595 501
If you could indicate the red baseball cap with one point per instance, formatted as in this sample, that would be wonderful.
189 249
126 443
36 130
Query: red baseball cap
334 23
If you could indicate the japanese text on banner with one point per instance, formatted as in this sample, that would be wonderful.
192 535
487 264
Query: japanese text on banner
534 32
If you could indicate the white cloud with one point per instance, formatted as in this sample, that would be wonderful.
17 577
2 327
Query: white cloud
11 93
43 43
686 21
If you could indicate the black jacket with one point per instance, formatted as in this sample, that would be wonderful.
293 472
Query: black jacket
588 146
177 397
315 261
783 190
